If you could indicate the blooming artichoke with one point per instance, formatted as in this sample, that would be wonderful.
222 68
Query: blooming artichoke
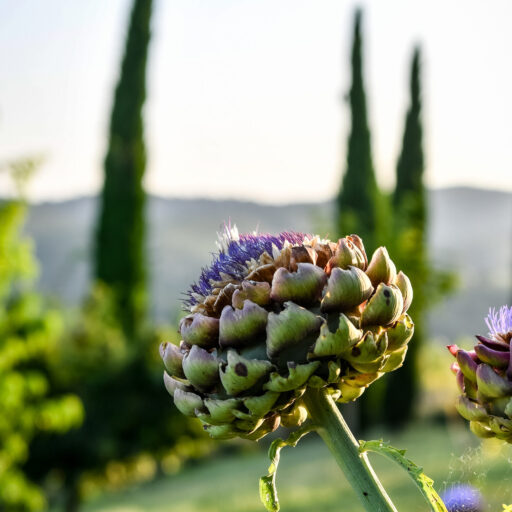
484 376
274 314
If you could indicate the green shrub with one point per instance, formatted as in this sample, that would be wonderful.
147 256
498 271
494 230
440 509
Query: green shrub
28 342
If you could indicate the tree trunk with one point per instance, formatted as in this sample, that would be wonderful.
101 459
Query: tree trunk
72 500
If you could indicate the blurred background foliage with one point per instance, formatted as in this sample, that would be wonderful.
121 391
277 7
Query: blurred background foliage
83 407
29 334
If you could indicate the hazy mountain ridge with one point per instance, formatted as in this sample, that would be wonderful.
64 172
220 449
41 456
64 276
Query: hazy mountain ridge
470 231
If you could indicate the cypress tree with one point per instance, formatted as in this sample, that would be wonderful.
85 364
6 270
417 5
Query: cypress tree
410 209
357 199
410 194
359 206
119 248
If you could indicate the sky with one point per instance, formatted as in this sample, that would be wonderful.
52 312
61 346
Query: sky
245 97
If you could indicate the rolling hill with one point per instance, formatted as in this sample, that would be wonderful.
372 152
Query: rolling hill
470 232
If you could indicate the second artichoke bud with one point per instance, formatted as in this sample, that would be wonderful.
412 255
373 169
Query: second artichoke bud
273 315
484 377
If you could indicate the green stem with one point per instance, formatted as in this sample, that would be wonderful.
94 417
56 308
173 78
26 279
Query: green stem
333 429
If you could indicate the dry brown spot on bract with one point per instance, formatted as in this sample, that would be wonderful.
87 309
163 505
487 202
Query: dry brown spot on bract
241 369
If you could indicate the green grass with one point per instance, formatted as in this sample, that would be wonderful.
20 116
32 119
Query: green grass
309 481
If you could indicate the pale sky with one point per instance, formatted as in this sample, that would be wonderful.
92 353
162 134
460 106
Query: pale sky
245 96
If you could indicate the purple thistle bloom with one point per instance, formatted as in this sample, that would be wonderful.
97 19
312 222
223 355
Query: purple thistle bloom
499 322
234 252
463 498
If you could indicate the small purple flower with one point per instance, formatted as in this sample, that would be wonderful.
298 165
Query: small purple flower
499 322
463 498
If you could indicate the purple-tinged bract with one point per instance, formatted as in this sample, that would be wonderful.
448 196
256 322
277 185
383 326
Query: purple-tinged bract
484 377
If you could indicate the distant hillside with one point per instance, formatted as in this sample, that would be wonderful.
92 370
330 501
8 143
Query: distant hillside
470 231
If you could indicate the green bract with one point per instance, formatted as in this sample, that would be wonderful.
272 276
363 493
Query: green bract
274 315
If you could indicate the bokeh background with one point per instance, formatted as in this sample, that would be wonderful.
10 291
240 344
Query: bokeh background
131 130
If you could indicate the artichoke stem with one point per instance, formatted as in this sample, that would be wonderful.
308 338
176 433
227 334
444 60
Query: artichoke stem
334 431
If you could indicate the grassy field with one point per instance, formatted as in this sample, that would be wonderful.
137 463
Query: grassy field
309 481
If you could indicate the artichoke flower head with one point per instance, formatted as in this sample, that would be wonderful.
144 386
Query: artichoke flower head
484 377
273 315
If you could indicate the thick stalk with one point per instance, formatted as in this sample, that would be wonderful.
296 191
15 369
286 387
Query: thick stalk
333 429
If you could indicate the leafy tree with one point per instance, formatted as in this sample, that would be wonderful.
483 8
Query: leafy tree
119 249
28 342
358 199
128 411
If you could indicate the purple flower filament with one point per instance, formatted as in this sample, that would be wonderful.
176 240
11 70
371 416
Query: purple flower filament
232 259
499 322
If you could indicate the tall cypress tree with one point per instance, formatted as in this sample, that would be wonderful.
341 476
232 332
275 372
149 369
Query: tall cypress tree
410 195
358 203
119 250
358 196
410 212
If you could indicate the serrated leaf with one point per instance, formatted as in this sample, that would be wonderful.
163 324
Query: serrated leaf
268 491
422 481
